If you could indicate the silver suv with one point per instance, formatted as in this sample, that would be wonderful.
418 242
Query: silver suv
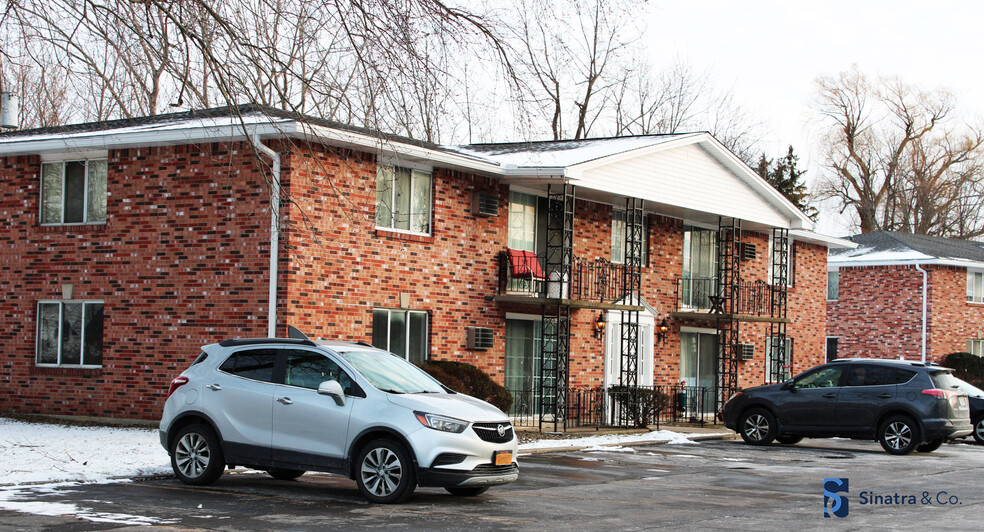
287 406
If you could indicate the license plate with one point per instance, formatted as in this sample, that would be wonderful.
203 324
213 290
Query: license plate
502 458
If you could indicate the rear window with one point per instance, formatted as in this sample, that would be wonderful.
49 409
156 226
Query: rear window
256 364
944 380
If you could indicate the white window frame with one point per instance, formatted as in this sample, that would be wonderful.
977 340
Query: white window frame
975 286
790 263
975 347
768 359
85 192
836 285
414 172
61 312
389 329
618 253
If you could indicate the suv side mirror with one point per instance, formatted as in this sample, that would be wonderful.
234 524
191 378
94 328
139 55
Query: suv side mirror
334 390
788 385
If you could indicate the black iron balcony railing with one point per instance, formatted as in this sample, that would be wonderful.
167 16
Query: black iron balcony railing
619 406
701 295
524 273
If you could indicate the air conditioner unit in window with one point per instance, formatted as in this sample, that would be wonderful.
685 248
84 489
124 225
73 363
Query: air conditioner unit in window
480 338
747 351
485 204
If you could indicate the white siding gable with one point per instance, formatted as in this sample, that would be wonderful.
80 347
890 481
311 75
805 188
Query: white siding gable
685 176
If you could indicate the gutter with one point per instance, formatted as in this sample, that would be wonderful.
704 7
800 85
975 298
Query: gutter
274 231
924 291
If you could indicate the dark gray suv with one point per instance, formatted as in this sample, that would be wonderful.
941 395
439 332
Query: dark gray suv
904 405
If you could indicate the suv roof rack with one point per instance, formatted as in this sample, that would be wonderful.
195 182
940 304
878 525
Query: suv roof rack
236 342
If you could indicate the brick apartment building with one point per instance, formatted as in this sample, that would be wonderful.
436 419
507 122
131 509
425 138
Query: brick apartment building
553 266
903 295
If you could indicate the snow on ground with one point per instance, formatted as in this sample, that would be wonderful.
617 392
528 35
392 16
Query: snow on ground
608 442
34 453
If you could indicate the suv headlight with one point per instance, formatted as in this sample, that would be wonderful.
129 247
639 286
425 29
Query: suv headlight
442 423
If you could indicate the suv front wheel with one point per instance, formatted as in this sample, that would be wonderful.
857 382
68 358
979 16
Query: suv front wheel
757 426
196 455
898 435
384 472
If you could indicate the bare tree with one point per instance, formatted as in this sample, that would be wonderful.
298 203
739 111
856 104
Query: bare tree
896 156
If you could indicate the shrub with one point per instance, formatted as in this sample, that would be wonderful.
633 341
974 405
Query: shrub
966 366
470 380
641 405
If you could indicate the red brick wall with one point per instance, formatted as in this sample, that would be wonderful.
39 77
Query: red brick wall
180 262
878 312
953 320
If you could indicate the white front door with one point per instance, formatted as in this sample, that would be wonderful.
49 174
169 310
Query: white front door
613 349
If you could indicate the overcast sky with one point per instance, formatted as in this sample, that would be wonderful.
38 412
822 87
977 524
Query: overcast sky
771 52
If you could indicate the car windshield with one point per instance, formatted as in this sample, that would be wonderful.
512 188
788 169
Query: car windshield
391 373
969 389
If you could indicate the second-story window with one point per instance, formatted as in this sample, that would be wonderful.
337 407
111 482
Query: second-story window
73 192
618 237
403 199
975 286
833 285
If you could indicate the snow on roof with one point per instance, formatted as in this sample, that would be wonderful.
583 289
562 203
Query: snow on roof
893 247
561 153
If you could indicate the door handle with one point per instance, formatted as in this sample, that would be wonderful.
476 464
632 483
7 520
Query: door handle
214 387
884 396
829 395
285 400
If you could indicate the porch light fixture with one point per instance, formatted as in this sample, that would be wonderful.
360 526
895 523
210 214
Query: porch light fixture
662 330
599 326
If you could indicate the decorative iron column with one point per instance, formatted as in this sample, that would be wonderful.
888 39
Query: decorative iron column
728 284
556 338
778 305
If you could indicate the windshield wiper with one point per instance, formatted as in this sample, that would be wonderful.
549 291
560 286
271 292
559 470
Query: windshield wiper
392 391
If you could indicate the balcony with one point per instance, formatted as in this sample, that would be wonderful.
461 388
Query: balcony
593 284
697 298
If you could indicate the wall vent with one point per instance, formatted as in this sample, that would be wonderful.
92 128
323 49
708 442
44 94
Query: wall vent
485 204
480 338
747 351
747 251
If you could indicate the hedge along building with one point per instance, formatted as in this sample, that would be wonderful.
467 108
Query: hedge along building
550 265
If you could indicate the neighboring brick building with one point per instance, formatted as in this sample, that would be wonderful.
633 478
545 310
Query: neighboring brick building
902 295
130 244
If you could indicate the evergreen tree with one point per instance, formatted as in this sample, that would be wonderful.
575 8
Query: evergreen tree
785 177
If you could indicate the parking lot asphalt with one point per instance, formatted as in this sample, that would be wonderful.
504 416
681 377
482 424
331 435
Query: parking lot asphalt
707 486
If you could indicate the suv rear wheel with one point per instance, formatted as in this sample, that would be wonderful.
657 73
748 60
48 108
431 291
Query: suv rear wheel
898 435
384 472
196 455
757 426
979 429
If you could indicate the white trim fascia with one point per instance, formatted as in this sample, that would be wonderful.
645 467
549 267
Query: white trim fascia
831 242
913 262
128 138
682 140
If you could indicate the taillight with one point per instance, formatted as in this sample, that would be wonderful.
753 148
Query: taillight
176 383
942 394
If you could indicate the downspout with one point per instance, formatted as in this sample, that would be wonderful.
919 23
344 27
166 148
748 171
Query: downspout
274 231
925 289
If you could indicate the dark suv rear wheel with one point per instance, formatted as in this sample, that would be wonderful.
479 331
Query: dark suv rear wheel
757 426
979 429
898 435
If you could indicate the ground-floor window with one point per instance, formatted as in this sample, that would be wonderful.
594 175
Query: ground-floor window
524 361
403 332
777 364
70 333
831 348
976 347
